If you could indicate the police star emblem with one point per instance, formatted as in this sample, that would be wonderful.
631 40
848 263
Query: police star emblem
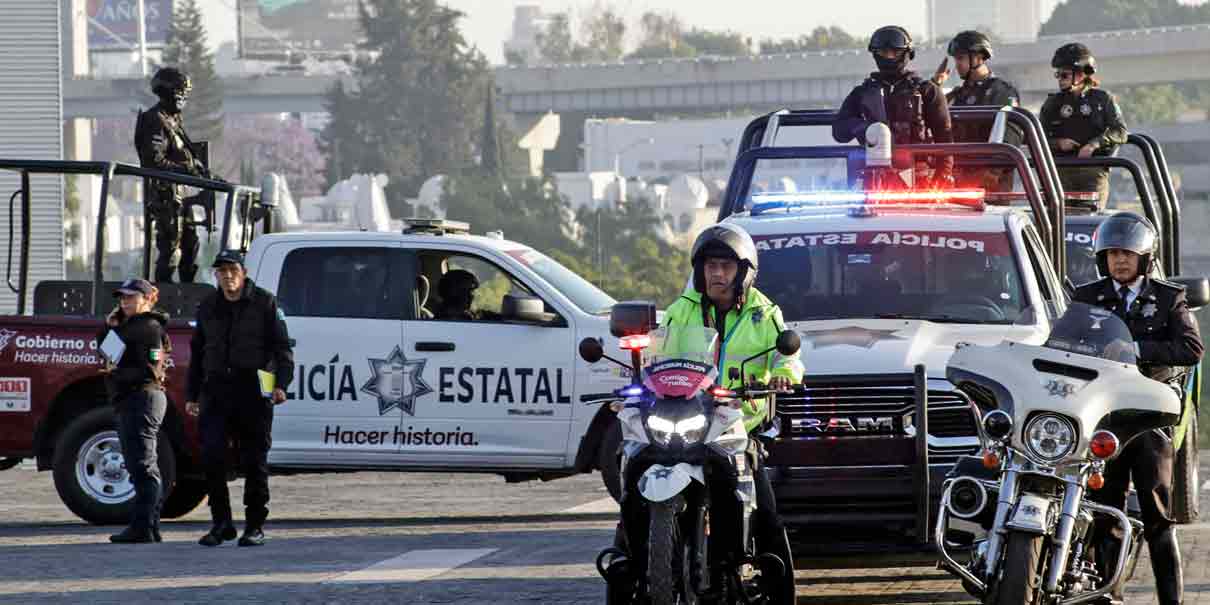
1149 310
1085 109
1066 111
397 381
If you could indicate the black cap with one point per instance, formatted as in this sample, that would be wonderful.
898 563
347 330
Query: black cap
134 286
228 257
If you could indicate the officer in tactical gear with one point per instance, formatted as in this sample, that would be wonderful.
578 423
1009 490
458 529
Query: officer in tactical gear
161 142
1166 340
913 108
722 297
1081 120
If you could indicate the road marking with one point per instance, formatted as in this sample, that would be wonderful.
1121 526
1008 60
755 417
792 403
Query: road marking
414 566
604 505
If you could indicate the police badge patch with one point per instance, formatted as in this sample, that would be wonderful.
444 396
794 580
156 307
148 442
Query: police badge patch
1066 111
971 100
1085 109
1149 310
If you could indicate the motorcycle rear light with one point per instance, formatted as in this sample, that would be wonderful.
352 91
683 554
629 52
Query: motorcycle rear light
635 343
1103 444
991 460
1096 481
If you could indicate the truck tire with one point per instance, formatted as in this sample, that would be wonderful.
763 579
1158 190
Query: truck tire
1019 574
90 473
609 461
662 551
186 495
1185 480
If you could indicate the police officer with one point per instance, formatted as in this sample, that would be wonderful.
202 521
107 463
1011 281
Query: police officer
971 51
913 108
239 331
722 297
161 142
1081 120
457 290
1166 338
135 385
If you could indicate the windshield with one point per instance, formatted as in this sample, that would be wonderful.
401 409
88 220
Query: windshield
582 294
954 276
1087 330
680 361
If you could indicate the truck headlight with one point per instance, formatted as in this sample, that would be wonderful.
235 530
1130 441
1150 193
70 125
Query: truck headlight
1050 437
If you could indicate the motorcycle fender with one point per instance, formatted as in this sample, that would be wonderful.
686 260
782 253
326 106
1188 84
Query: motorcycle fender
1031 515
660 482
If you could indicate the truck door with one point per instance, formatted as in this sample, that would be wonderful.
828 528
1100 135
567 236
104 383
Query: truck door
499 391
344 303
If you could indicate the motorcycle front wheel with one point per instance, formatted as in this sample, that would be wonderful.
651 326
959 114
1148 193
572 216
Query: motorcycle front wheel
1019 575
665 550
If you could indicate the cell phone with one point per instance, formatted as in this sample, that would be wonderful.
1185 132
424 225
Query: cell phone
945 65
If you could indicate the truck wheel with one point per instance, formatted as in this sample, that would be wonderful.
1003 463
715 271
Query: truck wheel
90 472
186 495
1185 480
609 460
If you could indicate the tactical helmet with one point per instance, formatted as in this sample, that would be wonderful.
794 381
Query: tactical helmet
1126 231
892 37
1076 56
726 241
168 81
457 282
970 42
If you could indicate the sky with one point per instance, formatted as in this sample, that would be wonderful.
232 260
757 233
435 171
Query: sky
489 22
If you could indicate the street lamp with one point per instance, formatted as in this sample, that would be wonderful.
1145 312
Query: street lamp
617 155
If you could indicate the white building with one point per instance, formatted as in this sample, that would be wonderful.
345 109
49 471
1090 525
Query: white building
528 22
1008 20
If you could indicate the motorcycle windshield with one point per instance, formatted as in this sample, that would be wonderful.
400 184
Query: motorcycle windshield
1092 331
680 361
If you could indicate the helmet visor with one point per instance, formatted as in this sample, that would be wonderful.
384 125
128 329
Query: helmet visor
1125 234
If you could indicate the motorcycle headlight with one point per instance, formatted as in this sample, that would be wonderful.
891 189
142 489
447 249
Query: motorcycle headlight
1050 438
690 429
661 428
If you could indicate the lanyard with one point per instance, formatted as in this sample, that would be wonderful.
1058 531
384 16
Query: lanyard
722 350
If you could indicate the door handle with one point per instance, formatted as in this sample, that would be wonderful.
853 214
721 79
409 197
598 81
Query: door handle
437 347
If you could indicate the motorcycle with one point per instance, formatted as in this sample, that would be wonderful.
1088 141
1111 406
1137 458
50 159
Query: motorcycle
679 433
1053 415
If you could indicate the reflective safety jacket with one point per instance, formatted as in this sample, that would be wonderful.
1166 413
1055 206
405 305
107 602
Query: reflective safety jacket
747 331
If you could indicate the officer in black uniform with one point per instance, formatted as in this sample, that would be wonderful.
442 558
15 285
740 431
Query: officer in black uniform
1166 337
161 142
1082 120
913 108
239 330
457 290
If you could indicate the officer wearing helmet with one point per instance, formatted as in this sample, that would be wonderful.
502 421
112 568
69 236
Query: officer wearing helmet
914 108
1167 340
722 297
1081 120
161 142
972 50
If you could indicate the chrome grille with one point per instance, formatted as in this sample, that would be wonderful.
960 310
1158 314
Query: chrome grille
833 409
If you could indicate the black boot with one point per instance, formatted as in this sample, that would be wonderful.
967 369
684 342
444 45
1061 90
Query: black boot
218 534
1166 565
619 582
253 536
133 535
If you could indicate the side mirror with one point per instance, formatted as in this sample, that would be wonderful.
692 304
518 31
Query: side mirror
591 350
525 308
788 342
632 318
1197 290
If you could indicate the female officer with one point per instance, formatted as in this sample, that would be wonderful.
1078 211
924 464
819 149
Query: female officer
1081 120
135 385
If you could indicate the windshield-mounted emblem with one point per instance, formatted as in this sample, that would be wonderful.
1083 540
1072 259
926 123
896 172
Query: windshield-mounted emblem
1060 388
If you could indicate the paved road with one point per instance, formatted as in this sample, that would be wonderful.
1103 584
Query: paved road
407 538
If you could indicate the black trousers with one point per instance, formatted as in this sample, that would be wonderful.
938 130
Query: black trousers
172 231
140 414
233 407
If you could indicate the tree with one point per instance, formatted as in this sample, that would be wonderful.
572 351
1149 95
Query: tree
605 35
262 144
416 111
663 37
718 43
187 50
555 43
489 144
1153 103
820 38
1079 16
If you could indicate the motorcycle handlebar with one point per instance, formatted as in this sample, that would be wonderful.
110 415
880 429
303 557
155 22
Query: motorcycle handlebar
594 397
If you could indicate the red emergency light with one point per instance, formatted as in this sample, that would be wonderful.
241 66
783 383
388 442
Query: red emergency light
635 343
970 198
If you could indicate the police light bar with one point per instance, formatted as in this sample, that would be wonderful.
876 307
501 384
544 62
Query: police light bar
764 202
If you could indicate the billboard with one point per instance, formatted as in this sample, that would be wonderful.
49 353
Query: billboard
271 28
113 24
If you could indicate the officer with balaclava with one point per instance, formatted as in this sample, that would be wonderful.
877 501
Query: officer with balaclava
913 108
161 142
1081 120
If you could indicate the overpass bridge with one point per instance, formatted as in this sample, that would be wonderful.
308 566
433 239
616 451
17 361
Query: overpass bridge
109 98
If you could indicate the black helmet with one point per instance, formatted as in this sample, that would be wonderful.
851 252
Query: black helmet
1125 231
168 81
1075 56
892 36
727 241
970 42
457 283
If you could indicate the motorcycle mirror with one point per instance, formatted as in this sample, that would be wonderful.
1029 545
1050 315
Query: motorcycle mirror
591 350
632 318
1197 291
788 342
735 374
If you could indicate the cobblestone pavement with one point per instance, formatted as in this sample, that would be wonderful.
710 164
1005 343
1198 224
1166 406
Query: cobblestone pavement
410 538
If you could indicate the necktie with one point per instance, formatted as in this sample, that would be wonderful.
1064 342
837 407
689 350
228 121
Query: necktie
1123 292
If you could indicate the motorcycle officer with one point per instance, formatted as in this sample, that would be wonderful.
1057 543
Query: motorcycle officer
1166 337
913 108
161 142
1081 120
722 297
